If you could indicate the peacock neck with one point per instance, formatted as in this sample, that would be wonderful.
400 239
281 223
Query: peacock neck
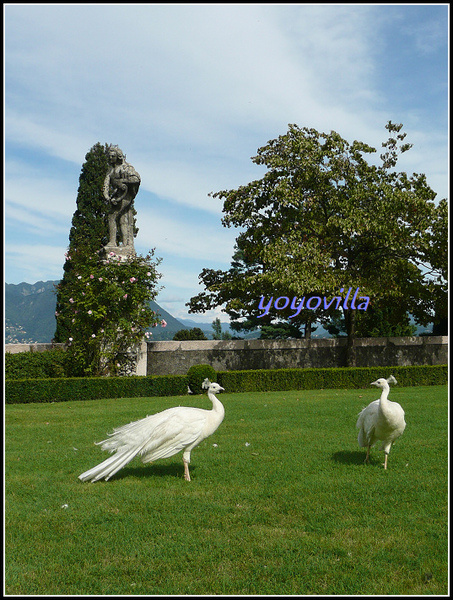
384 403
217 406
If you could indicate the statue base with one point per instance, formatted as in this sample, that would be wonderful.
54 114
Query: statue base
119 253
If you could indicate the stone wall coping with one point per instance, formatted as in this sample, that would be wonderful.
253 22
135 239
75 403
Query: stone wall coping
187 345
16 348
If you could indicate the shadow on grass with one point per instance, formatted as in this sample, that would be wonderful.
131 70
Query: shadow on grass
349 457
154 470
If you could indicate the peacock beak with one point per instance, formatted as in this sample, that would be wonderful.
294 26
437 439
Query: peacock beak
374 383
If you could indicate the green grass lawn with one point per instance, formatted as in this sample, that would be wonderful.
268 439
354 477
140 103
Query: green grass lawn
280 501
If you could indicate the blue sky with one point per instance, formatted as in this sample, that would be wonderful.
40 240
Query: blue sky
189 93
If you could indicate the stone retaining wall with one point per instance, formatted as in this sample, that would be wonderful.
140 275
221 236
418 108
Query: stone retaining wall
175 358
232 355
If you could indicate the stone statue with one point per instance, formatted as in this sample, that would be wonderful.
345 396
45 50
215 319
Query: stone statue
120 188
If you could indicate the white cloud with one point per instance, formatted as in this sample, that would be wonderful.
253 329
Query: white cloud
188 240
58 139
198 80
33 262
42 194
32 222
182 181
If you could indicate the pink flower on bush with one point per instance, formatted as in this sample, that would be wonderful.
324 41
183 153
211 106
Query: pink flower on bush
93 335
100 279
71 300
125 296
132 279
91 276
163 323
90 312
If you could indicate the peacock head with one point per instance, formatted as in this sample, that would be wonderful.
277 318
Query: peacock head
212 387
382 383
215 387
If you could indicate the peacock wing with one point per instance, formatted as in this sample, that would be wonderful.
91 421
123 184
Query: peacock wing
132 435
366 423
180 429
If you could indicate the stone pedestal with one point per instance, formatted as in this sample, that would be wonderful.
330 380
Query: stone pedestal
119 252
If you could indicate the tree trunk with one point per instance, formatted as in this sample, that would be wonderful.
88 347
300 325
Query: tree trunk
351 358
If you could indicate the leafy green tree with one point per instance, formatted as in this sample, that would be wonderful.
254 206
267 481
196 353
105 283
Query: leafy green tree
88 233
217 327
189 334
385 322
218 333
323 218
102 307
435 261
230 288
279 331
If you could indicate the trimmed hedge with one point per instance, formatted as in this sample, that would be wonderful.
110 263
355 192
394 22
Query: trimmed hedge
39 365
312 379
92 388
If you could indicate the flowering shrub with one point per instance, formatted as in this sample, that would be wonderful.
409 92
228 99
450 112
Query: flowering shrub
108 311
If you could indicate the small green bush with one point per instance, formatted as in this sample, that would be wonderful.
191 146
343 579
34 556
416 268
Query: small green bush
197 374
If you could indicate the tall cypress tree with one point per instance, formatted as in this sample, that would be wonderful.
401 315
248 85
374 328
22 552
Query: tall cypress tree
89 224
103 300
89 231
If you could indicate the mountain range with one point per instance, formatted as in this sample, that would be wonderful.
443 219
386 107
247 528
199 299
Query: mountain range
30 315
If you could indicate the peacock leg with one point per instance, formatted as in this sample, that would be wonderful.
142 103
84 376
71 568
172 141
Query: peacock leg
385 461
367 457
186 471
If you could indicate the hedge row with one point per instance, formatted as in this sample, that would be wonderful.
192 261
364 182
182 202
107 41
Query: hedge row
91 388
314 379
35 365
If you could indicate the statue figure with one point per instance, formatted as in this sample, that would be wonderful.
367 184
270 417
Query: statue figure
120 188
